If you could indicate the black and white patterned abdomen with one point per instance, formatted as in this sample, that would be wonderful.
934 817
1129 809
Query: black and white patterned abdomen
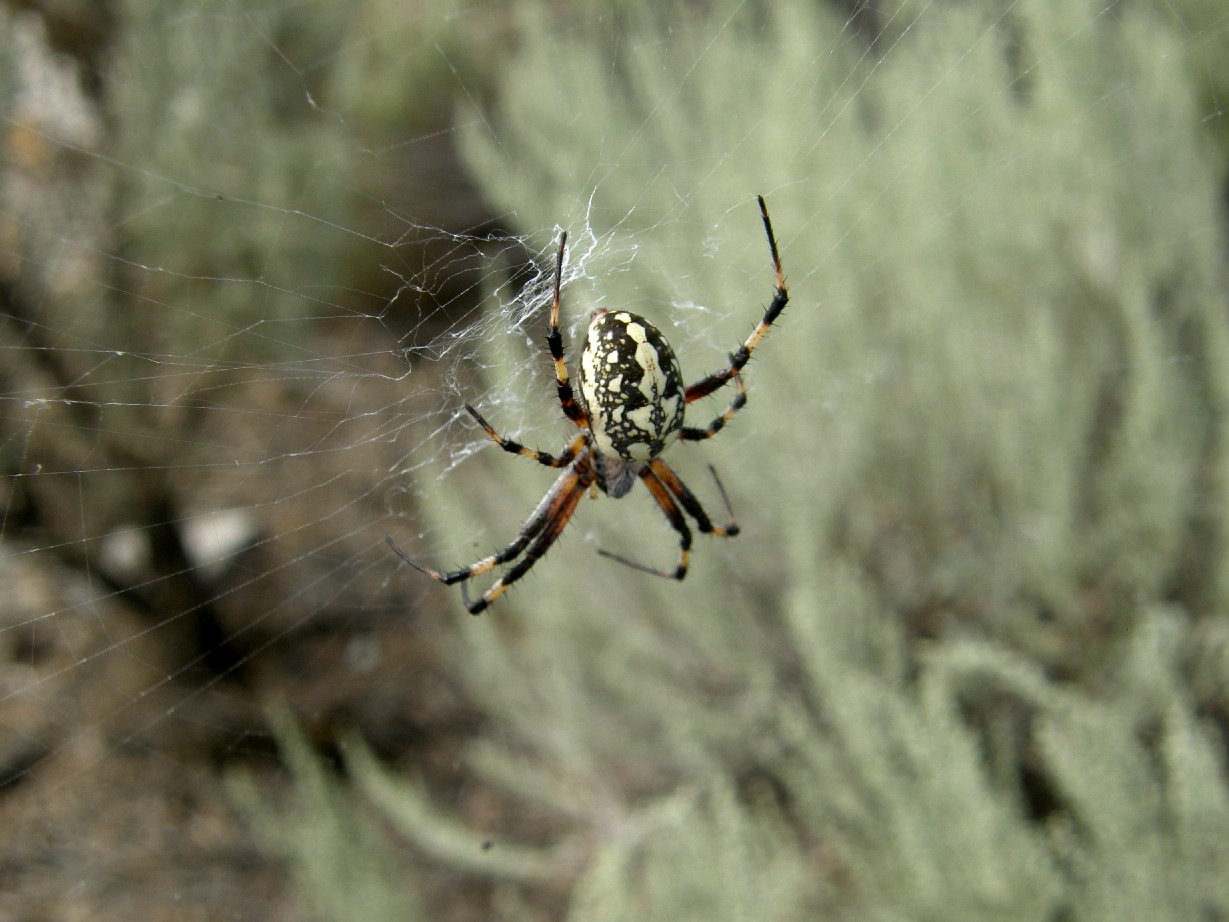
631 386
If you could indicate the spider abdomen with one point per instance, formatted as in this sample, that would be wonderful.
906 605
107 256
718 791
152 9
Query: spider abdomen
631 386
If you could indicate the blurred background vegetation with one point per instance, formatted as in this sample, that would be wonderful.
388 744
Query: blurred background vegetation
969 658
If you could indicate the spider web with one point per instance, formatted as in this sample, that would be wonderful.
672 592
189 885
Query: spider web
254 260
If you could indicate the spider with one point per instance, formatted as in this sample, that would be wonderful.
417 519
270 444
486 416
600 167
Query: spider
630 409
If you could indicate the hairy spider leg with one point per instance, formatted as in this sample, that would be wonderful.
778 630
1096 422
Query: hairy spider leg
663 472
566 457
677 520
548 519
667 487
780 298
563 459
539 521
689 434
554 339
556 511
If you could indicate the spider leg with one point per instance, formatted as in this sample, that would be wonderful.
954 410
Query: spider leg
667 487
566 457
688 434
554 339
662 495
556 511
780 298
541 528
536 522
664 473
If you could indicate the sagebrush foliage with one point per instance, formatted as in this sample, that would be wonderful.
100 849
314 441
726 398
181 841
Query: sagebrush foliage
337 854
994 418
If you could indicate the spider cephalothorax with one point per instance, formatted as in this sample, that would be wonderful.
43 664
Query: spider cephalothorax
631 407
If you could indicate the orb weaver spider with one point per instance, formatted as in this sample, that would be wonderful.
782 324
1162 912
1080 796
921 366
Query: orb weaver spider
630 409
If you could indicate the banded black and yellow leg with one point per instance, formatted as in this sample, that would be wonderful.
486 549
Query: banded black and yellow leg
677 520
539 532
475 569
780 298
555 512
665 474
563 459
689 434
554 340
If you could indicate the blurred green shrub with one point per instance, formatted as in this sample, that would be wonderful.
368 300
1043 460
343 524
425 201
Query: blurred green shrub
973 659
337 854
